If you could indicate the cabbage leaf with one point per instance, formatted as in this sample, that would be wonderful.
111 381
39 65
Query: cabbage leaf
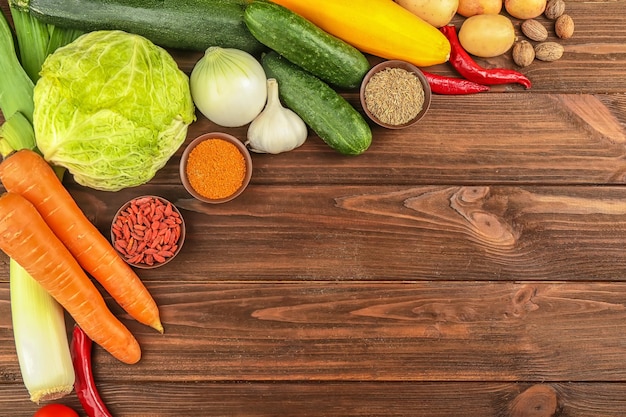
112 108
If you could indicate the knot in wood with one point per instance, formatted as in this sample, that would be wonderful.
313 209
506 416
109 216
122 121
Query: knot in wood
537 401
522 302
487 226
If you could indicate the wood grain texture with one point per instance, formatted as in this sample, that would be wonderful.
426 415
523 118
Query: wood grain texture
543 139
473 265
411 331
392 233
434 399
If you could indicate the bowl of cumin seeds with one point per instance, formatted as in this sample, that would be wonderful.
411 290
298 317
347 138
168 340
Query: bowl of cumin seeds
395 94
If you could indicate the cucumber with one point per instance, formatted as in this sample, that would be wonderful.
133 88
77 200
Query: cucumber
305 44
326 112
179 24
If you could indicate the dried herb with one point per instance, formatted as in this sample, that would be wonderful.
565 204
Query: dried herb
394 95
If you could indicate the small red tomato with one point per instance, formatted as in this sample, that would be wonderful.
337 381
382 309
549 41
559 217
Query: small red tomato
55 410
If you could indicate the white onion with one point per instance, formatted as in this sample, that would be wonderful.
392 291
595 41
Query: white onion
228 86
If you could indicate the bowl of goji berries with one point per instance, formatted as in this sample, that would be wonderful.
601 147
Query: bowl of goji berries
148 231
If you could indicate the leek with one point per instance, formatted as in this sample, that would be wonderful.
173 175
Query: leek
16 87
61 37
32 41
40 337
36 40
16 133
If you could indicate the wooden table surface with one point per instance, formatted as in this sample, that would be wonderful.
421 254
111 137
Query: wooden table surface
473 265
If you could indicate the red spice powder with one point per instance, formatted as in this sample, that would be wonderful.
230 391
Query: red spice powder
215 168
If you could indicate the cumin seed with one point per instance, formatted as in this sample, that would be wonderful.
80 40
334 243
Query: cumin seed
394 95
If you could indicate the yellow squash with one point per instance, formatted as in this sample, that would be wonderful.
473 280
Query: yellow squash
377 27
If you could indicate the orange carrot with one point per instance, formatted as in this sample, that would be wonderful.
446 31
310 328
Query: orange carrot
26 173
26 238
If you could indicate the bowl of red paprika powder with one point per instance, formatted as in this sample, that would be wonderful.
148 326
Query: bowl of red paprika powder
148 231
215 167
395 94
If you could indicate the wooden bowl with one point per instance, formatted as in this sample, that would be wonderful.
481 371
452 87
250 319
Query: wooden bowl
419 112
148 231
243 150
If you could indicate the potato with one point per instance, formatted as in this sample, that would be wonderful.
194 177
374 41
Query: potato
469 8
436 12
487 35
525 9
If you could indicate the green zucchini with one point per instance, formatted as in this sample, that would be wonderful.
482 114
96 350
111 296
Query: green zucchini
324 110
179 24
305 44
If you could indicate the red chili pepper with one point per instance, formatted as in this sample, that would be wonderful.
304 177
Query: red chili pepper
441 84
84 385
468 68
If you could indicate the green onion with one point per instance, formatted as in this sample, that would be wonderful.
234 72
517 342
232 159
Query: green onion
40 338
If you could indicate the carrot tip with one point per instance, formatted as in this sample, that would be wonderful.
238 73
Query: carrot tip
158 326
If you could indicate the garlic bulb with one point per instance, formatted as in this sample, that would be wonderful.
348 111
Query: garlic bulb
277 129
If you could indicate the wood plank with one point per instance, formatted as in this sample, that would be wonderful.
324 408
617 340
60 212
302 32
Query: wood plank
331 331
543 139
433 399
426 233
